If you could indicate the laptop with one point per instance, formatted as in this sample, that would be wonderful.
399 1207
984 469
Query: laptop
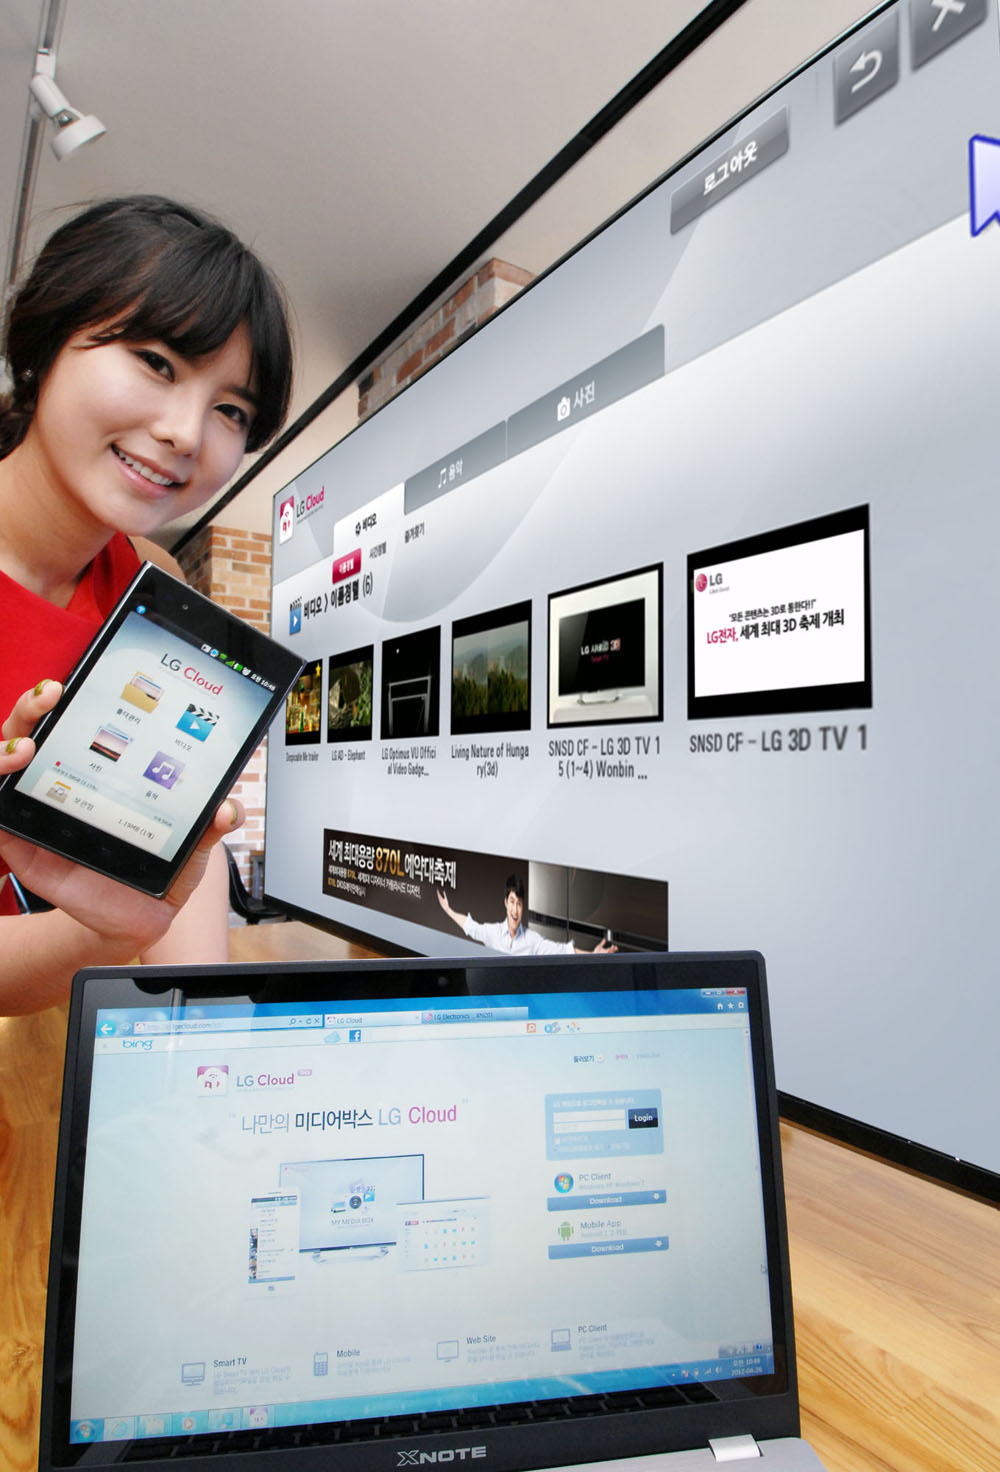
501 1214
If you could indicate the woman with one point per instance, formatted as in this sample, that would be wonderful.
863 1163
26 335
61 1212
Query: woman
149 351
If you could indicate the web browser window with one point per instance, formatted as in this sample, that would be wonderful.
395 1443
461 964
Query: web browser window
323 1211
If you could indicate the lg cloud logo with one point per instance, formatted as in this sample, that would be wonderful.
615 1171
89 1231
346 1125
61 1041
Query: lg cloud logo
212 1080
289 513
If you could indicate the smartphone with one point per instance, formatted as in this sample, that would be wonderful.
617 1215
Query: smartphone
155 725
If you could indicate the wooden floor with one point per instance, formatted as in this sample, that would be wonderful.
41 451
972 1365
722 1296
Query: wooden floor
896 1280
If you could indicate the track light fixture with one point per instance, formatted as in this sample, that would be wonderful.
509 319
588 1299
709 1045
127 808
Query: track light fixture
73 129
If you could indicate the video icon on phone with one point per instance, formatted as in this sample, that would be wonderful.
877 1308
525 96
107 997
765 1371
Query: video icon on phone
198 722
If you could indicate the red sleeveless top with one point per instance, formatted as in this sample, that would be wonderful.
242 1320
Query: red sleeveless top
41 641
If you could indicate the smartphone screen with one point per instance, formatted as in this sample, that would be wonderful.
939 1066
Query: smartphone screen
158 719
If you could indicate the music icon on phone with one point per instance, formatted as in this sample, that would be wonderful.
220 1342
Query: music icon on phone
164 769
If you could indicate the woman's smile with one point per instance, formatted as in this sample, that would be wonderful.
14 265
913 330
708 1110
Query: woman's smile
152 474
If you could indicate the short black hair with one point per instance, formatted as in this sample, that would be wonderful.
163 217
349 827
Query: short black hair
144 267
515 885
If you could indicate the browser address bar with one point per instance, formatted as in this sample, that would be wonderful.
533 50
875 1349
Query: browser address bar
227 1024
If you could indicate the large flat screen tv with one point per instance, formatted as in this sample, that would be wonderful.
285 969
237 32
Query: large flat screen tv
760 403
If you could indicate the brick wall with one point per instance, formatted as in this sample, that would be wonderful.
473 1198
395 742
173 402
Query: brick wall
233 568
476 299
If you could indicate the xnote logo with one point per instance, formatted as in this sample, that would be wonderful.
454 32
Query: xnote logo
439 1458
286 519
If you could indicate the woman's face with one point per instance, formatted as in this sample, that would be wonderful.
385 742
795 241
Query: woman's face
136 435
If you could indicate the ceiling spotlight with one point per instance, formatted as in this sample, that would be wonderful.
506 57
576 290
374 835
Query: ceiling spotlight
73 129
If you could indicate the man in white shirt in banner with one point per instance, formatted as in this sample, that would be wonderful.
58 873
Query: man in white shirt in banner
512 937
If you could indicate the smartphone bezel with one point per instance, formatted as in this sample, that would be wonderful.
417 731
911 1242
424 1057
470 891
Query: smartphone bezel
197 620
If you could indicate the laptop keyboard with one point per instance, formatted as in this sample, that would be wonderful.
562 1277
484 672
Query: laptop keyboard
329 1433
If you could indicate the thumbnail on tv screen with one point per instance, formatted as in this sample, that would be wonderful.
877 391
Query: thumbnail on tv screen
751 649
604 651
659 612
491 671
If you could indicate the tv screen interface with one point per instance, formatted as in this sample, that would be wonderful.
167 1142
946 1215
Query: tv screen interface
764 391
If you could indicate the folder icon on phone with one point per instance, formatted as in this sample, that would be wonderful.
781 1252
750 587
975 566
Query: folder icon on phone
142 691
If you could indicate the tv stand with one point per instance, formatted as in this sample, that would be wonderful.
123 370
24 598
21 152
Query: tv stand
598 697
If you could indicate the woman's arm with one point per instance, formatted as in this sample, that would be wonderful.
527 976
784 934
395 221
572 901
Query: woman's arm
200 931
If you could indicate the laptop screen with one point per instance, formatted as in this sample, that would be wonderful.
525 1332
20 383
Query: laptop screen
309 1203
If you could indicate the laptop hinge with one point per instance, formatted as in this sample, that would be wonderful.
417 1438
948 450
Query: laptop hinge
734 1448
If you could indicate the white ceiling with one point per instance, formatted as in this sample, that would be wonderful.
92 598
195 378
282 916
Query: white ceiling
360 144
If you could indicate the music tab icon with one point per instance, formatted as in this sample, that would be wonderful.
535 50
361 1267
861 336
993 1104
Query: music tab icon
164 769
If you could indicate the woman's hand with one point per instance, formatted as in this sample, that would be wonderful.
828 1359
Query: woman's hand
17 748
115 912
